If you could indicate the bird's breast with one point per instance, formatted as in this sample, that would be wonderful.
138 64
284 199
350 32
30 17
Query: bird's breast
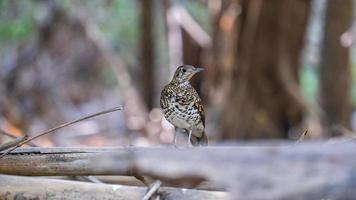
182 116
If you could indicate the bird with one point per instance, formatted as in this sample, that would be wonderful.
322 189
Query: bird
183 107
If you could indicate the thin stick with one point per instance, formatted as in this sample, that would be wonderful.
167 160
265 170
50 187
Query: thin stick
89 179
301 138
12 136
152 190
23 138
59 127
7 134
13 142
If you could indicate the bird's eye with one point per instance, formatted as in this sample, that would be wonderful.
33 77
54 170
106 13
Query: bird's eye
184 70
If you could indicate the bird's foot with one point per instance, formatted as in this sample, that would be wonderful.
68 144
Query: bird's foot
175 146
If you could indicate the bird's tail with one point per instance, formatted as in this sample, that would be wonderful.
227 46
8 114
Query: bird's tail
199 141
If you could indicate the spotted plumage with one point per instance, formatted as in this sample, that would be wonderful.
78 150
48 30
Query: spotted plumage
183 107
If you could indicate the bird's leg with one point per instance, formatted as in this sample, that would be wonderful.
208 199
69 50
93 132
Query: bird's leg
190 135
175 138
174 142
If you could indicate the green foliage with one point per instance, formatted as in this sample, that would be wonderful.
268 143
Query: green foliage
120 24
108 77
200 12
16 19
353 89
117 20
309 81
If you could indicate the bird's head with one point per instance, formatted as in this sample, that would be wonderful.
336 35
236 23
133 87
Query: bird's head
185 72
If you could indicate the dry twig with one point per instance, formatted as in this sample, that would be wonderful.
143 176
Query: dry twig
13 142
12 136
59 127
302 136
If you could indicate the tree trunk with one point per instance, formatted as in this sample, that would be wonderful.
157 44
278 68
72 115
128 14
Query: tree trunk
147 51
225 23
262 97
335 73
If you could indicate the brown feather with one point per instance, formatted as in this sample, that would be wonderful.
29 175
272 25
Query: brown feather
183 107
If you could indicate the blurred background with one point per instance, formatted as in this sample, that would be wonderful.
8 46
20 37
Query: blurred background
273 68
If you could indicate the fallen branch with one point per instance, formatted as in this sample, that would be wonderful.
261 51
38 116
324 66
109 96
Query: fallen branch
14 187
59 127
308 169
23 138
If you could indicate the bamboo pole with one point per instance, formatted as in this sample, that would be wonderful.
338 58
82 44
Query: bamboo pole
253 172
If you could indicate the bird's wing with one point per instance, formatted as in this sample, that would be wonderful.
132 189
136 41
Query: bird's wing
191 95
199 106
165 95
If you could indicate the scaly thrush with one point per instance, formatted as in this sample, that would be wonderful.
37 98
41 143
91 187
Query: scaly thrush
183 107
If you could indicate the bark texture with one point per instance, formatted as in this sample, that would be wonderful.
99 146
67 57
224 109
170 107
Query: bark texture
258 88
335 71
276 171
147 51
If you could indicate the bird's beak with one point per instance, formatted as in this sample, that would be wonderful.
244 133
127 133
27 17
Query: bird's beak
199 70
